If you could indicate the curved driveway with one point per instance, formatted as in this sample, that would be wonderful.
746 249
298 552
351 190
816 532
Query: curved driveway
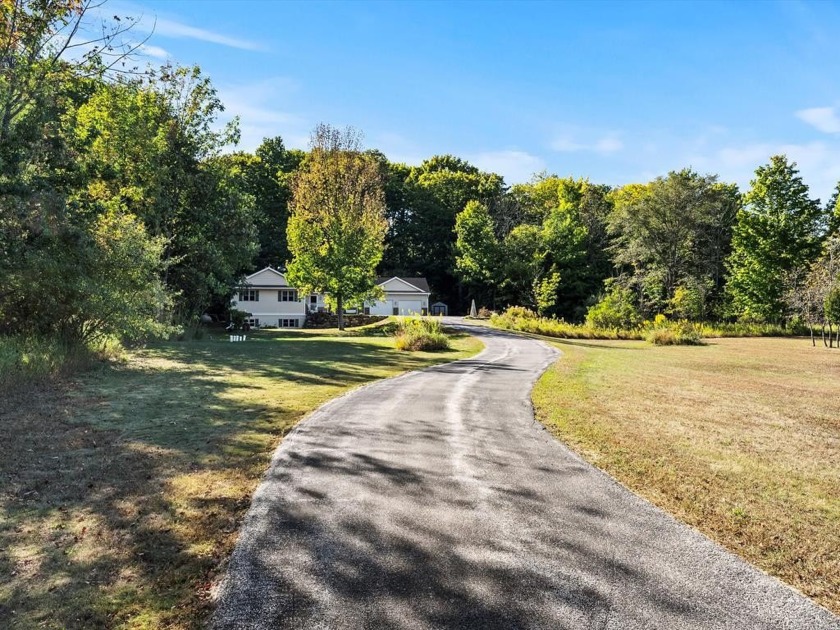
434 500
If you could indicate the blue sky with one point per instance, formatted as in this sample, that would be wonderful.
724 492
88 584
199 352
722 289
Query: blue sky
617 92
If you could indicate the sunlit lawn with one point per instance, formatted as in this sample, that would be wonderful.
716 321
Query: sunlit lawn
121 492
739 438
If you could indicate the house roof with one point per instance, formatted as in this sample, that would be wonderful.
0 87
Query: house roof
266 278
256 273
420 283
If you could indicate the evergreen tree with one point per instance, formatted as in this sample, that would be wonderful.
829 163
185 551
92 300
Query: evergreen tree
777 231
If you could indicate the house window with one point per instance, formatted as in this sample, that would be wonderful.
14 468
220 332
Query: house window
287 295
313 299
289 323
253 322
249 295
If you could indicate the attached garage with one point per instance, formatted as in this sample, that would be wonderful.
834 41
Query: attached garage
403 296
409 307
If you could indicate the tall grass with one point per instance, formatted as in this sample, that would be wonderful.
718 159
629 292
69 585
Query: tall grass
26 361
420 334
660 330
523 320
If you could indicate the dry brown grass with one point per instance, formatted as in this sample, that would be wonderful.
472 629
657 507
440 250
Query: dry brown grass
121 491
740 439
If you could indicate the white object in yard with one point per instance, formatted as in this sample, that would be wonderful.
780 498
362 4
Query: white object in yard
473 312
238 338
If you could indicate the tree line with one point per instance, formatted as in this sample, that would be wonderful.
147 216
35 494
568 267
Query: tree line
124 212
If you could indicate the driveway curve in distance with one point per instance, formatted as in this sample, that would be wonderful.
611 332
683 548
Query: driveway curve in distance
434 500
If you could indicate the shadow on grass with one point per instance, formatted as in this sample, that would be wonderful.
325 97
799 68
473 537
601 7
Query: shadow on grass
121 492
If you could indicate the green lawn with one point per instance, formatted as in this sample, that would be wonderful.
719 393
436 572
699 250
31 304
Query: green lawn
739 438
121 490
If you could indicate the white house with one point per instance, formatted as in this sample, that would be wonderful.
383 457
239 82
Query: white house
271 301
403 296
267 296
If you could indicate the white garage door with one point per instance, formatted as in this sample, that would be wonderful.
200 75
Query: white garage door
408 307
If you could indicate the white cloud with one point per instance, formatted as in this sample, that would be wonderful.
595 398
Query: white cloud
818 163
166 27
608 145
154 51
178 30
159 26
515 166
823 119
605 145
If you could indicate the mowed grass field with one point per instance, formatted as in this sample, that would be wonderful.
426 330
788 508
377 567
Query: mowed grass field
739 438
121 491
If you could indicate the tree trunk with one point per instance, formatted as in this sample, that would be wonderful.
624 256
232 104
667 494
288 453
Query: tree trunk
811 328
339 302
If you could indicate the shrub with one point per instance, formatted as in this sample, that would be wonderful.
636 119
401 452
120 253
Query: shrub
524 320
617 309
688 302
414 334
689 332
238 317
484 313
681 333
520 312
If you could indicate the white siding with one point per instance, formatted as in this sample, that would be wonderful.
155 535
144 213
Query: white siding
268 308
405 303
267 277
396 285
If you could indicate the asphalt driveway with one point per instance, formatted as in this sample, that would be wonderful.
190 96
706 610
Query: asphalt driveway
434 500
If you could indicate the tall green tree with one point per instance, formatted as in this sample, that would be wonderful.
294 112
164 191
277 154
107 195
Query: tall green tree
337 225
541 263
778 230
77 268
673 233
421 213
477 260
576 211
152 145
401 256
266 175
832 212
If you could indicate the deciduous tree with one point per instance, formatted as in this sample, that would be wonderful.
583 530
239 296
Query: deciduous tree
477 259
673 232
337 226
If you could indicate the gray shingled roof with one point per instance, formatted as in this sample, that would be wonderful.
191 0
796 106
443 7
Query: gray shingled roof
420 283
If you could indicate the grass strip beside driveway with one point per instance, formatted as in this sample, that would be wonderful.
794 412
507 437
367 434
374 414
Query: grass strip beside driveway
739 438
121 492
